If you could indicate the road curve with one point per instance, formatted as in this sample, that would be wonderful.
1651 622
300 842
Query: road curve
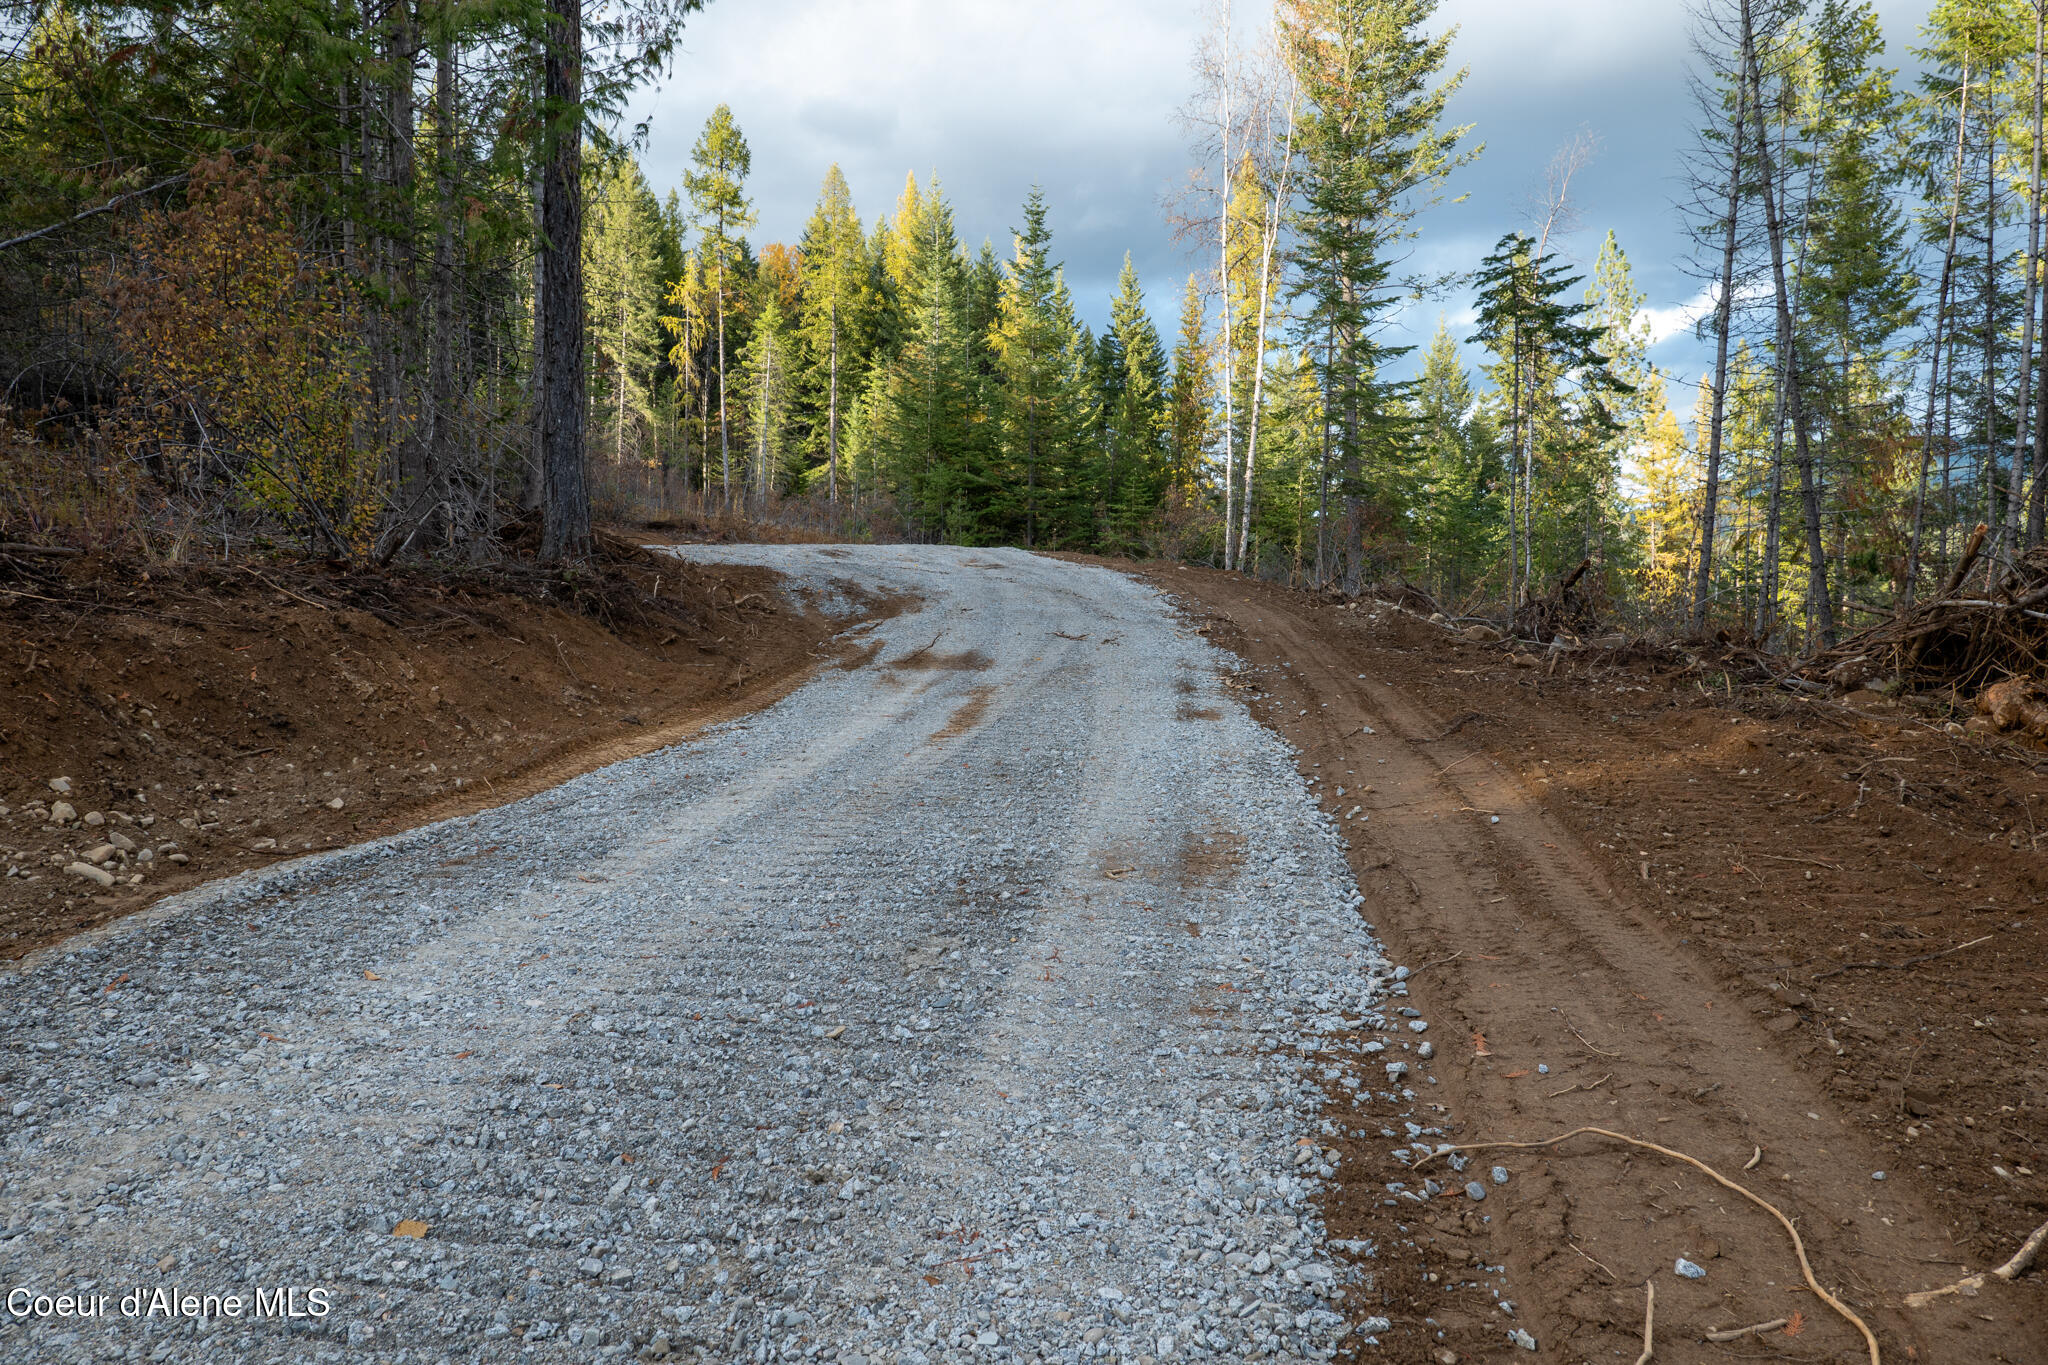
976 1001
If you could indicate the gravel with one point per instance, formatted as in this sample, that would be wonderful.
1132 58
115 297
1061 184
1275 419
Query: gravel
985 1011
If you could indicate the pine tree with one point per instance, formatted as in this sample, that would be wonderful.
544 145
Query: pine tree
716 185
1666 528
1376 152
1456 506
621 266
837 300
1041 366
1192 393
1133 403
1544 354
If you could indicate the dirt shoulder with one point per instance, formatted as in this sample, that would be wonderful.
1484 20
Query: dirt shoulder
221 717
1716 920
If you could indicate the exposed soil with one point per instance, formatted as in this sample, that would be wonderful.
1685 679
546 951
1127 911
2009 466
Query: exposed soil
237 714
1639 897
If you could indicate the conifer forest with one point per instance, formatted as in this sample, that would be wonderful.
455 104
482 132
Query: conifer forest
388 281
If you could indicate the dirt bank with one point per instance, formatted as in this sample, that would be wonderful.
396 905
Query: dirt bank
220 716
1798 942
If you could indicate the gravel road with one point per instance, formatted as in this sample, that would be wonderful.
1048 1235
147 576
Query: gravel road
973 1002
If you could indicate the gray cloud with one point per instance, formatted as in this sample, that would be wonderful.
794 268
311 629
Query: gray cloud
1080 97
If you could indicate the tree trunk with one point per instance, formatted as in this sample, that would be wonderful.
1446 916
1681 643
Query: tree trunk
1724 308
1948 264
441 445
566 528
1820 609
832 413
2011 526
724 443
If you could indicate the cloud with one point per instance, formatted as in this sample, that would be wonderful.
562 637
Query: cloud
1080 97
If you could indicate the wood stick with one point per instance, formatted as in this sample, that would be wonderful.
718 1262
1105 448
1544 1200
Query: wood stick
1970 1284
1649 1320
1582 1037
1754 1329
1798 1246
38 551
1909 962
1970 553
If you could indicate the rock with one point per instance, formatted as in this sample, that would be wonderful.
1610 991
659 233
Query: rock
262 844
1522 1339
1480 635
63 813
1446 1356
1689 1270
1524 661
1474 1190
179 858
121 841
61 785
1426 1051
91 873
99 855
1500 1175
95 819
335 804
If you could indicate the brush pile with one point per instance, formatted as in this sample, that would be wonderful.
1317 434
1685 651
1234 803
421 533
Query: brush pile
1568 613
1989 643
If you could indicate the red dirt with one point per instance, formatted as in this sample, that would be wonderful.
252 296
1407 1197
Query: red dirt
214 707
1681 912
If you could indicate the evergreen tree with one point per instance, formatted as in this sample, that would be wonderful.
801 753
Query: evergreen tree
1377 151
1042 413
1132 400
621 265
1192 395
716 185
1456 507
1546 358
837 301
1666 529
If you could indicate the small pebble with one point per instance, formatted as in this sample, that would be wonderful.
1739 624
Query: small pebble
1542 1070
1500 1175
1877 1175
1522 1339
1689 1270
1426 1051
1474 1190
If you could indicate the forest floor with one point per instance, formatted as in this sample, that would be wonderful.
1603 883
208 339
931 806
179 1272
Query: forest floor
1798 940
220 717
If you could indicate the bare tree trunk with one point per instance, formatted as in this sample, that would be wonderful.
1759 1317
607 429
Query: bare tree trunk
1820 609
832 413
566 529
1269 240
724 443
1948 265
1724 308
441 446
2010 529
1229 356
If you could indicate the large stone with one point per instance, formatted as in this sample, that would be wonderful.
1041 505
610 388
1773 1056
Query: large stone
91 873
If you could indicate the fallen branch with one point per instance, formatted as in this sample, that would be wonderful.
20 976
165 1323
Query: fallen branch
1798 1246
38 551
1413 972
1895 966
1970 1284
1649 1320
1754 1329
1582 1037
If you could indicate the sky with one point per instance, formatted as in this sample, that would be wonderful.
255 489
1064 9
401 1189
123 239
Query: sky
1081 97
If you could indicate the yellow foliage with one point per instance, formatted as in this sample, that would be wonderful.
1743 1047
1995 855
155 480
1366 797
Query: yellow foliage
242 364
